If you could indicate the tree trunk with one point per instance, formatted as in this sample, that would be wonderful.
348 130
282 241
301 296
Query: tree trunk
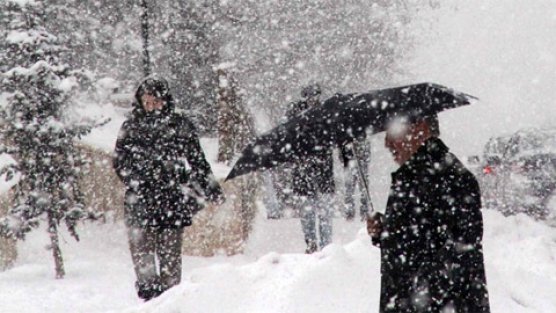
145 35
225 132
56 252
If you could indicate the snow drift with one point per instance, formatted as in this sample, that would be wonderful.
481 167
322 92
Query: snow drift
520 254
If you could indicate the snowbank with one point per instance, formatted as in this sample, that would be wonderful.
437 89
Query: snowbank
273 276
519 256
339 279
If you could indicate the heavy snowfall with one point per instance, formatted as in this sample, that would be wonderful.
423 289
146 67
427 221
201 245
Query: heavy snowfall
247 253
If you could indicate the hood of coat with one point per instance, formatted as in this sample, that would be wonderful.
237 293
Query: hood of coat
155 86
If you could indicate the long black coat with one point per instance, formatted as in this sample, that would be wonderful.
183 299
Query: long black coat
160 161
431 244
314 174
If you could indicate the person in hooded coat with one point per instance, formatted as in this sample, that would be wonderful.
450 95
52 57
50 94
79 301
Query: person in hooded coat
167 178
430 235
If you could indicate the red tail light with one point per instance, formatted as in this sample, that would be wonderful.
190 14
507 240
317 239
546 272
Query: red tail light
487 170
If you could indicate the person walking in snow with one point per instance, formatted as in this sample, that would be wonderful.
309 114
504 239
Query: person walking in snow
159 159
430 235
313 183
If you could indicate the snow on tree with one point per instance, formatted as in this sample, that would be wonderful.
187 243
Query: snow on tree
281 46
38 87
101 36
186 50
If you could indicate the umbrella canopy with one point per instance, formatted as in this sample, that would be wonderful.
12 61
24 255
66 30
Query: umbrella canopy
342 118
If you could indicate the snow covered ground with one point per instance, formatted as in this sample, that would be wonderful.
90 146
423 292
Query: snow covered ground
272 276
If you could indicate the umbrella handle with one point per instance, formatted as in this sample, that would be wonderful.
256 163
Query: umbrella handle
363 180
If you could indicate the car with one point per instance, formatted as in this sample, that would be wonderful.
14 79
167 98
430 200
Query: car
518 173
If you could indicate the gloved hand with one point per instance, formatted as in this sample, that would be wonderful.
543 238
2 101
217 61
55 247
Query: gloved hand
375 225
175 170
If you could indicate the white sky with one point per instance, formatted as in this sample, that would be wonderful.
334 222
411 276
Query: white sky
503 52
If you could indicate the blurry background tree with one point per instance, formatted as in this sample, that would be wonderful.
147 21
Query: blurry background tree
235 124
280 46
277 46
185 49
101 36
38 87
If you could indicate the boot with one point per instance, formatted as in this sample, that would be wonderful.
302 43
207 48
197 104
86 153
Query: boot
311 247
148 290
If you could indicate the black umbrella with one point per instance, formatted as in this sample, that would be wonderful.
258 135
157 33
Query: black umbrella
342 118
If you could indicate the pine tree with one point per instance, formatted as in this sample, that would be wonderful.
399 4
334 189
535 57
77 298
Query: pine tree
38 87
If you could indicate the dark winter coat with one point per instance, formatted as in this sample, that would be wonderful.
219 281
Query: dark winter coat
431 244
313 174
160 161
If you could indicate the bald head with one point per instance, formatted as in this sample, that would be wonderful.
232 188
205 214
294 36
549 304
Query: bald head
404 138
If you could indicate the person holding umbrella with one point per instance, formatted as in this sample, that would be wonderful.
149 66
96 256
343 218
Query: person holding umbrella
313 182
167 178
430 235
